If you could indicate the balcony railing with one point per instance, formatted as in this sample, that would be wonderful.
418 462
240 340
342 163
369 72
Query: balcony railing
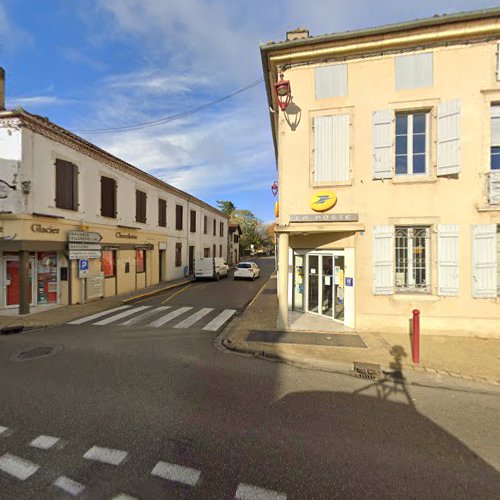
494 187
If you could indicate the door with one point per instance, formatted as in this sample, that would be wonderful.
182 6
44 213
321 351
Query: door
11 282
298 283
313 283
191 260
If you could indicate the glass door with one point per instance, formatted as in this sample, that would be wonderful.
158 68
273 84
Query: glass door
313 283
327 287
339 281
298 283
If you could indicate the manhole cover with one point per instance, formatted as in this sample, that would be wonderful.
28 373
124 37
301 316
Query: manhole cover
36 352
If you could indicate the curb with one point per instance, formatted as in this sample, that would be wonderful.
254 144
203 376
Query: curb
155 292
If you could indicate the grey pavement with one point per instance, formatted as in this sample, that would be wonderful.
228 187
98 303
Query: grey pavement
162 413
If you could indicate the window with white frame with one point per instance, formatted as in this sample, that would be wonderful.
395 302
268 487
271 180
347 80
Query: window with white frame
498 260
494 174
412 259
412 139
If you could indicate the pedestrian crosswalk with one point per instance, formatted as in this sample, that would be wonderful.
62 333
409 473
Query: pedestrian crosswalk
208 318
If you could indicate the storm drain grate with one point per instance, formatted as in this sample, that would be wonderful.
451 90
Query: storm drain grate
36 352
367 370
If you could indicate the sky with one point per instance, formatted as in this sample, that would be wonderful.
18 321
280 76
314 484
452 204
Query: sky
93 64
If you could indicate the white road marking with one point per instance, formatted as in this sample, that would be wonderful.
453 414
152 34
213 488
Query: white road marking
44 442
176 473
105 455
250 492
69 486
17 467
97 315
147 314
218 321
3 429
191 320
170 316
107 321
123 496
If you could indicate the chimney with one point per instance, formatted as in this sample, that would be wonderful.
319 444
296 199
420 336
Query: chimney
297 34
2 89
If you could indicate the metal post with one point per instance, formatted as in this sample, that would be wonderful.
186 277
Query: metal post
82 290
416 337
24 282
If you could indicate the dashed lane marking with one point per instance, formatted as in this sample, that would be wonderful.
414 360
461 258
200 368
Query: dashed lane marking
97 315
69 486
191 320
105 455
250 492
177 473
44 442
17 467
217 322
170 316
124 314
143 316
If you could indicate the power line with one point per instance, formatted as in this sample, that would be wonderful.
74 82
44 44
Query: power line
171 118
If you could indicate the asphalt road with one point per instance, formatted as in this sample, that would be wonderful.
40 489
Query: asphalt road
159 412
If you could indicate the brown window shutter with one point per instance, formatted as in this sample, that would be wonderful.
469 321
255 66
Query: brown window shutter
74 186
178 217
162 213
66 185
140 207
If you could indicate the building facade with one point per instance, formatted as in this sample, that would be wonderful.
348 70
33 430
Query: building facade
388 157
53 183
233 254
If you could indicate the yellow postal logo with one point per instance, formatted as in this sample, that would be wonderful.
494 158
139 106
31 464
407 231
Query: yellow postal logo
323 200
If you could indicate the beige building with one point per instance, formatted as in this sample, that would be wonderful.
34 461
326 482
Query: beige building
56 188
233 253
388 157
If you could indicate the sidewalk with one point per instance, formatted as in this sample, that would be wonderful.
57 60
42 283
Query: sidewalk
470 358
57 315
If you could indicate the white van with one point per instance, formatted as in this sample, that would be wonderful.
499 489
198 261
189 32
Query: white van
210 267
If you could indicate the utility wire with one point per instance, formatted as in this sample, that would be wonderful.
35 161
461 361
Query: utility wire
171 118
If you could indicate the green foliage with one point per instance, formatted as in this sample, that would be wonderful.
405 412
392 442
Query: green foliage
226 206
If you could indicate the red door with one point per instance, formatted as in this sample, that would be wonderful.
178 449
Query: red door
12 288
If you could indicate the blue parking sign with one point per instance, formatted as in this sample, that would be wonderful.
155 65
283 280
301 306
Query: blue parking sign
84 264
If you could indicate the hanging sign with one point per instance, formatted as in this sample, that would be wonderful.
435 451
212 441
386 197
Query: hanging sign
84 246
84 237
84 254
322 201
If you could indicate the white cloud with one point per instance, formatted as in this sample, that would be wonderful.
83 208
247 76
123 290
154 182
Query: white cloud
36 101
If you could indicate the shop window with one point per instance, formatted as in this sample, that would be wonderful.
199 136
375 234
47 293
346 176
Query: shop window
46 278
140 206
108 197
108 263
412 152
412 259
140 261
206 252
192 221
162 213
215 227
221 229
179 209
66 185
220 250
178 254
205 224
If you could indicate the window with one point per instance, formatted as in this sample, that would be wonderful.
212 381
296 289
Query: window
494 175
205 224
414 71
162 212
236 237
178 254
179 209
140 206
214 251
206 252
108 263
215 227
221 229
412 260
66 185
412 143
140 261
220 250
108 197
331 148
192 221
331 81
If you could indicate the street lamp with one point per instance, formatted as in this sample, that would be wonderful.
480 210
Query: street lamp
283 92
274 188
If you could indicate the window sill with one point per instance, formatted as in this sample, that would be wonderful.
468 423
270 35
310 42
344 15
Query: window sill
415 297
488 208
331 184
413 179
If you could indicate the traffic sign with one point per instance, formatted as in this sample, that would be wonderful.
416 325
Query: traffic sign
84 237
84 254
84 246
83 268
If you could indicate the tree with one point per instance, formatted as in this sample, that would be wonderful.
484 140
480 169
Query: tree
227 207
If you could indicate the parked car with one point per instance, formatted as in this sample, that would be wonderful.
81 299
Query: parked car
249 270
210 267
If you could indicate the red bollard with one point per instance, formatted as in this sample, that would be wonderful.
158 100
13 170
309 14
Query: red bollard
416 337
